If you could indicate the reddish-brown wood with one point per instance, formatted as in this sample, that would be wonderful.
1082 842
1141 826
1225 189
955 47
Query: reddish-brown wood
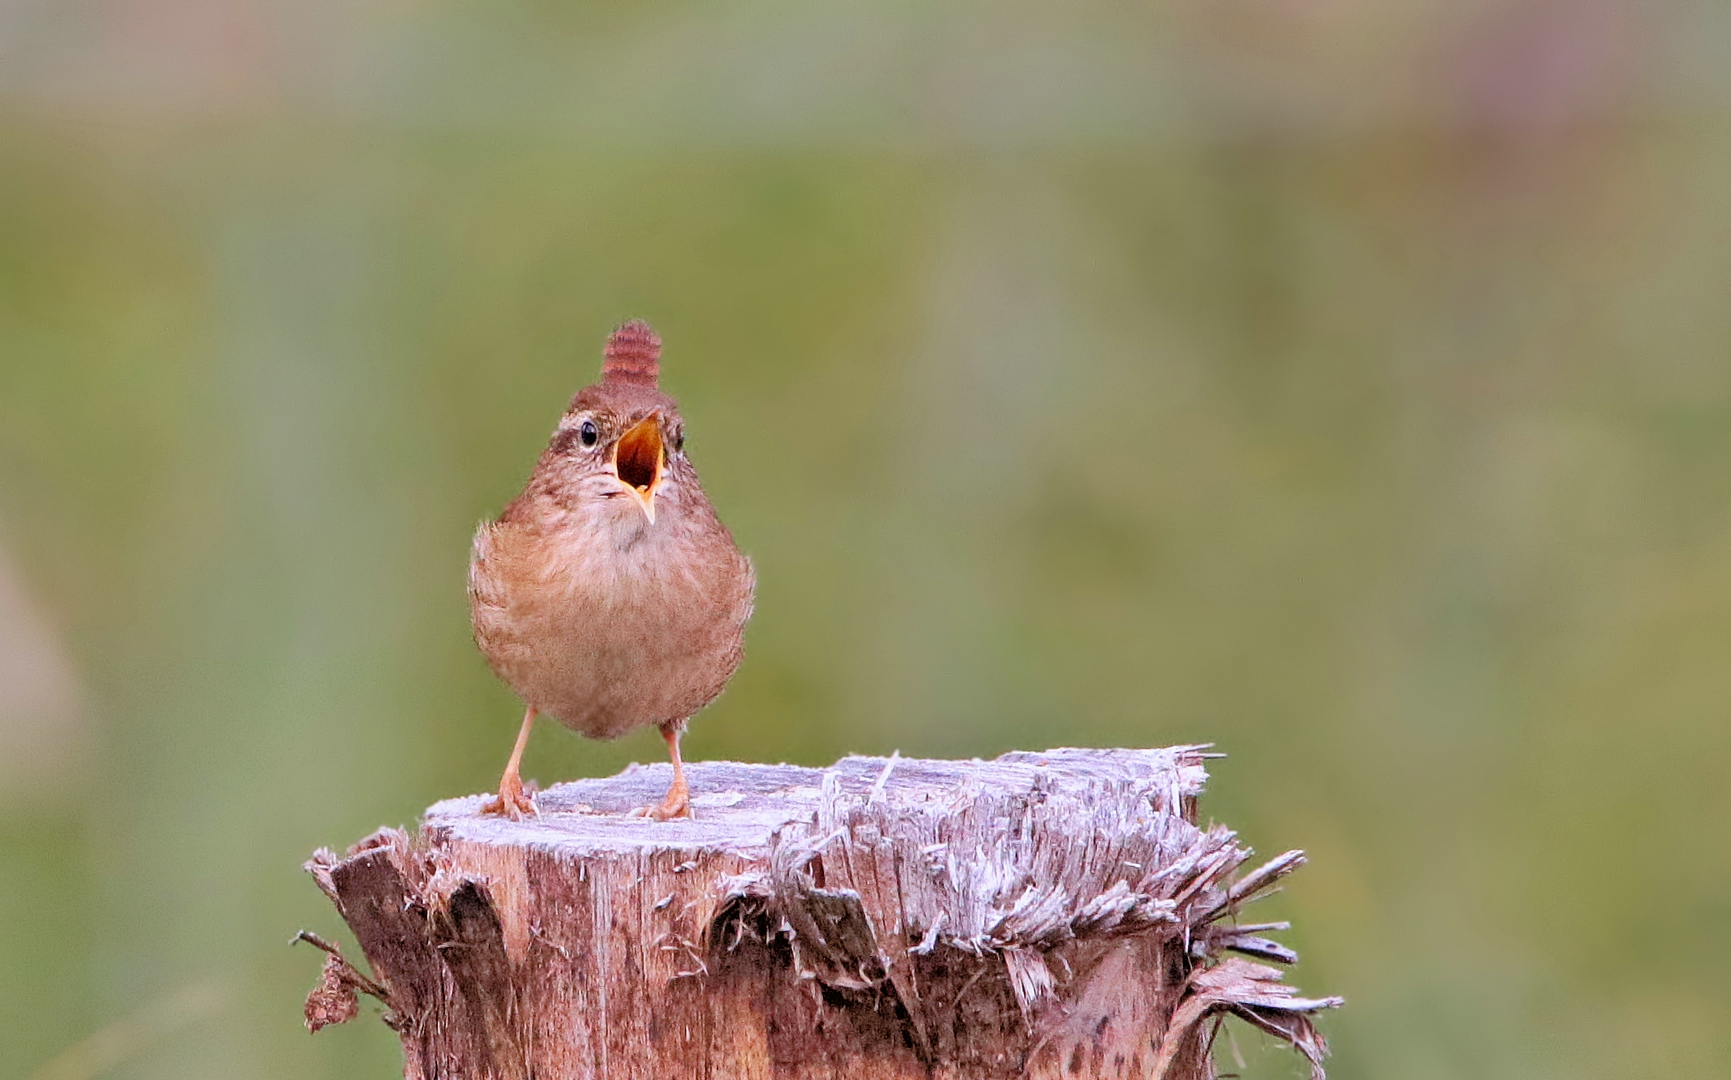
1040 915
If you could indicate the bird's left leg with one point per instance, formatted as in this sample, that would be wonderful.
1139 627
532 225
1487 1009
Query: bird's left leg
512 801
678 801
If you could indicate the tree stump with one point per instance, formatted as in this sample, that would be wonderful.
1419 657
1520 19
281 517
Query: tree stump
1055 914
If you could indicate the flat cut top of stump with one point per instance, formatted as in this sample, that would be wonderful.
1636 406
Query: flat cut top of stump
738 808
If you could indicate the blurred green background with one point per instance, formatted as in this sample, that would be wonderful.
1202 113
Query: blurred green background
1346 384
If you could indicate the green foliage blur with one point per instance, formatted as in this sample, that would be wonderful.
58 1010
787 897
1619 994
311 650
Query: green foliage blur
1345 384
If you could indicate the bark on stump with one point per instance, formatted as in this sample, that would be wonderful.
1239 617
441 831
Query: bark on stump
1043 915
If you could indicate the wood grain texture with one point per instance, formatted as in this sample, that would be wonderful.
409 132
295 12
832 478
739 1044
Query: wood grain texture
1055 914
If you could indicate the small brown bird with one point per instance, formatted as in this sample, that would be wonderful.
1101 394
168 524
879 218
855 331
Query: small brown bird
608 595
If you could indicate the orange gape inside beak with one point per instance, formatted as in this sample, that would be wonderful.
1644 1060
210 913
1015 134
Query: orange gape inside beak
639 460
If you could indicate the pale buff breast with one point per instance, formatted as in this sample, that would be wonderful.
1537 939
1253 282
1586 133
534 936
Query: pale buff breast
608 641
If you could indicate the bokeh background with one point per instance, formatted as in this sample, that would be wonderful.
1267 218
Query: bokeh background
1347 384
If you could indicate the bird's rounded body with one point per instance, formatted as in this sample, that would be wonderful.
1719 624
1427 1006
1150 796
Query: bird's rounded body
609 629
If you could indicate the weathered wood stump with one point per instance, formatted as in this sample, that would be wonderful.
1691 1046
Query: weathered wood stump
1041 915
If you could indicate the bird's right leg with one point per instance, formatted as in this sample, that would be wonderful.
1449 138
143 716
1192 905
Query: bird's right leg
512 801
678 801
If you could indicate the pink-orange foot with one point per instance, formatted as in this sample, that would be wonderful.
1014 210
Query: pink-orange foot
676 805
512 801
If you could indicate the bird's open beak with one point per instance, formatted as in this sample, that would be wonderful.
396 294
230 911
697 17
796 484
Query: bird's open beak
639 460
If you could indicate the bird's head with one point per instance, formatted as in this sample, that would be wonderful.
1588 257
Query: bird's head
621 444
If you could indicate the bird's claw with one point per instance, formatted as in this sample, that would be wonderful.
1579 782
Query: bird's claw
677 805
512 802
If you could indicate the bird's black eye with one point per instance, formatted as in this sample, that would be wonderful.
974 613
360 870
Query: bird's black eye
678 441
588 432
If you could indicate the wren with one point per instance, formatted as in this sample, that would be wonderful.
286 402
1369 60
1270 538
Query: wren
608 595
